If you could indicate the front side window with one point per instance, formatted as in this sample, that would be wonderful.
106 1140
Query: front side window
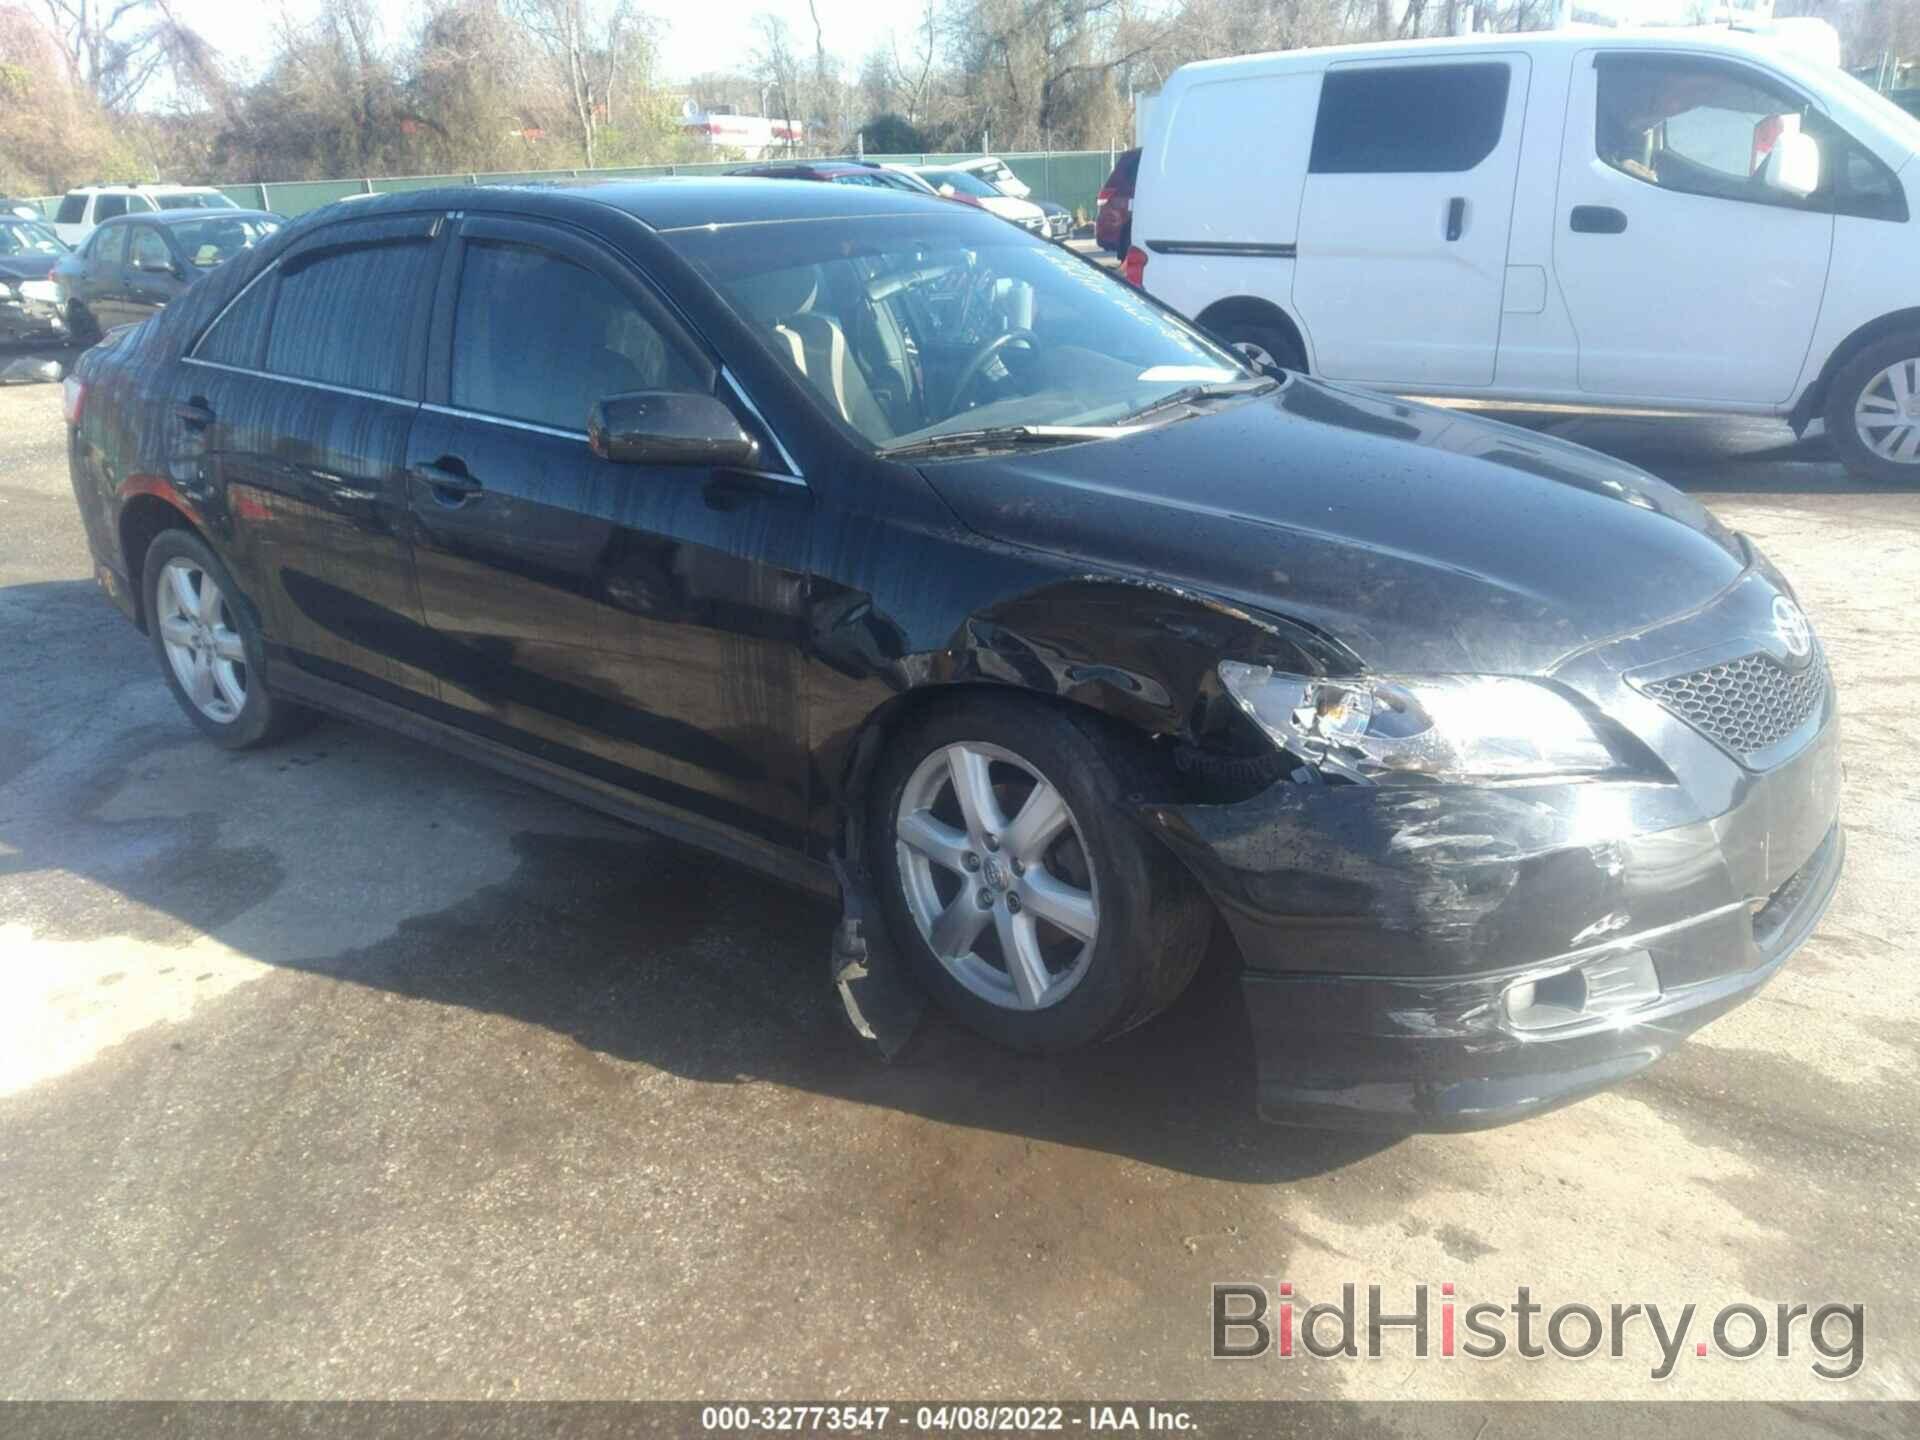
73 210
912 326
1408 119
211 200
1693 125
214 241
150 251
540 339
108 207
342 317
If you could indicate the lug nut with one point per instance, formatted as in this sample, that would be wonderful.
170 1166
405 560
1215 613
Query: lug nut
1013 904
985 898
970 861
993 842
1018 868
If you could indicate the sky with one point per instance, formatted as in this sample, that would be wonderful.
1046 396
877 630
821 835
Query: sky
696 35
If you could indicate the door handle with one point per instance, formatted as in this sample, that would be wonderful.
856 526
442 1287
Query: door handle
1597 220
450 486
1456 217
194 413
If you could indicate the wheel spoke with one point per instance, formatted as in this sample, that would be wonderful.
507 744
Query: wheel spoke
1054 900
200 687
227 645
958 927
1886 444
1876 404
1020 946
937 841
1042 818
973 788
228 679
1902 386
176 630
184 595
1909 444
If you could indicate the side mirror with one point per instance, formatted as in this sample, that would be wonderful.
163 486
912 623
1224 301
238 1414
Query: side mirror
668 427
1793 165
155 267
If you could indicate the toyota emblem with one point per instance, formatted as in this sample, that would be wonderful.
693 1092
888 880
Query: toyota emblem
1792 628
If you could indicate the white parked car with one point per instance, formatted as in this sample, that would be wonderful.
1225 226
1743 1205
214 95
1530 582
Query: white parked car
82 209
1677 218
997 173
956 183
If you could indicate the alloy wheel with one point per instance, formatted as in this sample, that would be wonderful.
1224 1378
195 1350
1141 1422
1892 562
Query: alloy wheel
204 648
997 875
1887 414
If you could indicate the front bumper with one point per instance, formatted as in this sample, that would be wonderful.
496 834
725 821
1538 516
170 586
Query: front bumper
1383 928
30 320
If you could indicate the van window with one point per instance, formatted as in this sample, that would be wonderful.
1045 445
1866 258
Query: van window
1408 119
73 209
107 207
1698 126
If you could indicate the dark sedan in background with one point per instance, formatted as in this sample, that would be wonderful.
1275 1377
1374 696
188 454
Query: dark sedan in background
133 266
29 251
873 542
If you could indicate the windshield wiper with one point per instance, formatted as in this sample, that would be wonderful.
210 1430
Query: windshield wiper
1003 435
1194 394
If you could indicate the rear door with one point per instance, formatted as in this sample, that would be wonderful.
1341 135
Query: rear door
1402 248
304 391
152 274
101 274
641 625
1686 276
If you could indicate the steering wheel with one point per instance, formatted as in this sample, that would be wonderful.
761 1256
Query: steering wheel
978 362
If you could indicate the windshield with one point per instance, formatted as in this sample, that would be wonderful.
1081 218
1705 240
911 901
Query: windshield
211 242
28 237
963 182
911 326
211 200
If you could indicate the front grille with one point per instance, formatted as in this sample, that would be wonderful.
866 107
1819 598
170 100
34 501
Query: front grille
1744 705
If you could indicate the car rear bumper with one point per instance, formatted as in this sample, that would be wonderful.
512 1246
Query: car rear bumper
1389 935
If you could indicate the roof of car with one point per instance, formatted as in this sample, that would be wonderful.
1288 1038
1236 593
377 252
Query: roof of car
680 202
777 168
141 187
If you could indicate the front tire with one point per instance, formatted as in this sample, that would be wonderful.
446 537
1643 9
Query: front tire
209 647
1029 901
82 328
1262 344
1873 411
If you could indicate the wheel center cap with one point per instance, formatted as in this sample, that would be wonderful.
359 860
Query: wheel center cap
995 876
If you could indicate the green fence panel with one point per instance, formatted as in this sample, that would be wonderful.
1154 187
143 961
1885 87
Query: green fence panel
247 197
1069 178
299 196
396 184
528 177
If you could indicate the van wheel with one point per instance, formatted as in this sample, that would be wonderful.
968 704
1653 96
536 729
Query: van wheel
1028 899
1262 344
1873 411
209 648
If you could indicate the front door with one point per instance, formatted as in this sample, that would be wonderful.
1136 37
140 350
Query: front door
1402 245
152 277
642 625
1686 277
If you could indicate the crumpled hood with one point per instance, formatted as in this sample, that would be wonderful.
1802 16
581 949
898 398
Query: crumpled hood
1422 539
15 268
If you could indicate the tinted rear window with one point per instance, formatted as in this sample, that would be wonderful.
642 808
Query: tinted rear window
73 209
1408 120
339 319
106 207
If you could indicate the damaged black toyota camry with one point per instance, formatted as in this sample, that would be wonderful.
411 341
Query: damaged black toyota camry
875 543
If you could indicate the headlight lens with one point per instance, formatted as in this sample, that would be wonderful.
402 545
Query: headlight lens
1439 727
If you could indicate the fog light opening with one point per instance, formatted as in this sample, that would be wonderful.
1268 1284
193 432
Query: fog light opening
1605 987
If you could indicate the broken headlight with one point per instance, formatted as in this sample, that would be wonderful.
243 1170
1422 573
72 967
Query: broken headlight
1438 727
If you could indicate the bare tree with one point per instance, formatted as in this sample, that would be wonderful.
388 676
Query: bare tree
114 48
581 41
775 66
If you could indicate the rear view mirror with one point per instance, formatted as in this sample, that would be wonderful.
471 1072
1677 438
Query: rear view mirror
1793 165
668 427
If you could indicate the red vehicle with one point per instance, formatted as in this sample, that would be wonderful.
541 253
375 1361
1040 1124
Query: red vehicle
1113 224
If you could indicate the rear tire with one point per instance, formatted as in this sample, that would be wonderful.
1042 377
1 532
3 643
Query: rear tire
81 326
1261 343
209 647
1090 866
1873 411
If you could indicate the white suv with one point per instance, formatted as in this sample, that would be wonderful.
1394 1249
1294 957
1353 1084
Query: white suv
1692 220
80 210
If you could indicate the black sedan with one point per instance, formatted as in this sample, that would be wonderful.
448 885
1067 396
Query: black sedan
133 266
29 251
870 541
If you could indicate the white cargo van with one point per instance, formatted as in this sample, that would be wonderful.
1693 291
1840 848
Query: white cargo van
1684 219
